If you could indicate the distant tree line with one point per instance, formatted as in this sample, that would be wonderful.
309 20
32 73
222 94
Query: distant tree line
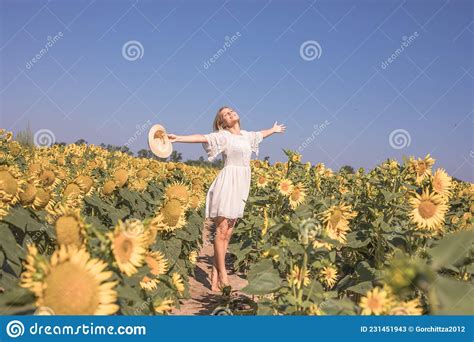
26 138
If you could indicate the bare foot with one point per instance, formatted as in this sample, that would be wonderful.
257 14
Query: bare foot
223 282
218 284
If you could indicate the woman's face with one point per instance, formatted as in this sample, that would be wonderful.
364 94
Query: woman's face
229 117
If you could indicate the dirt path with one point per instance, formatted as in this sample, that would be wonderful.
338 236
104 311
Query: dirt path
203 300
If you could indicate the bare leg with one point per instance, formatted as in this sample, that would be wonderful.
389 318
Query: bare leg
214 273
231 225
219 253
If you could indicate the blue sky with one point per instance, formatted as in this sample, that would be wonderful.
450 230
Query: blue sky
87 85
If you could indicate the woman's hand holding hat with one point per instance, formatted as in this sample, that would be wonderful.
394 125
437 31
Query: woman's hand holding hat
172 137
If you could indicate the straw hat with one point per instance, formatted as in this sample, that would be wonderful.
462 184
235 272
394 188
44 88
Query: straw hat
158 141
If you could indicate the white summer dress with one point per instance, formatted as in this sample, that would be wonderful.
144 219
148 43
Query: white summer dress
228 193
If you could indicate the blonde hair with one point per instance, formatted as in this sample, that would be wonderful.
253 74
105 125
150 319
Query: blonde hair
219 120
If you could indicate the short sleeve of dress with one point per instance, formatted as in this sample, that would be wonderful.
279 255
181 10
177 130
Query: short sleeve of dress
216 143
255 139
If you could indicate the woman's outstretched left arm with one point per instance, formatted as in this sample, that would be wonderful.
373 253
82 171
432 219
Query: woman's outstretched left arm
275 129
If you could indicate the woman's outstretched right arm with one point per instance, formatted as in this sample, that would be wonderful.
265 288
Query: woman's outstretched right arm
193 138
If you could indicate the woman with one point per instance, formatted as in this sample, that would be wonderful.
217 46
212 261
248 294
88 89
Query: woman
225 200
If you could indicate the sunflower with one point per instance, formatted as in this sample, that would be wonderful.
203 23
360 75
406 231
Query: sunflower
179 191
343 189
296 158
197 183
128 248
375 302
337 219
28 193
195 201
109 187
158 265
163 306
455 220
47 178
72 283
72 189
70 228
61 174
143 174
442 183
423 168
170 217
120 177
4 207
411 307
297 196
329 275
151 233
428 210
192 257
177 281
315 310
138 184
261 181
34 168
285 187
35 266
42 199
321 244
85 183
10 184
296 278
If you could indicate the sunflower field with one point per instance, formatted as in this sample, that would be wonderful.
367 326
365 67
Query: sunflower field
87 231
397 240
